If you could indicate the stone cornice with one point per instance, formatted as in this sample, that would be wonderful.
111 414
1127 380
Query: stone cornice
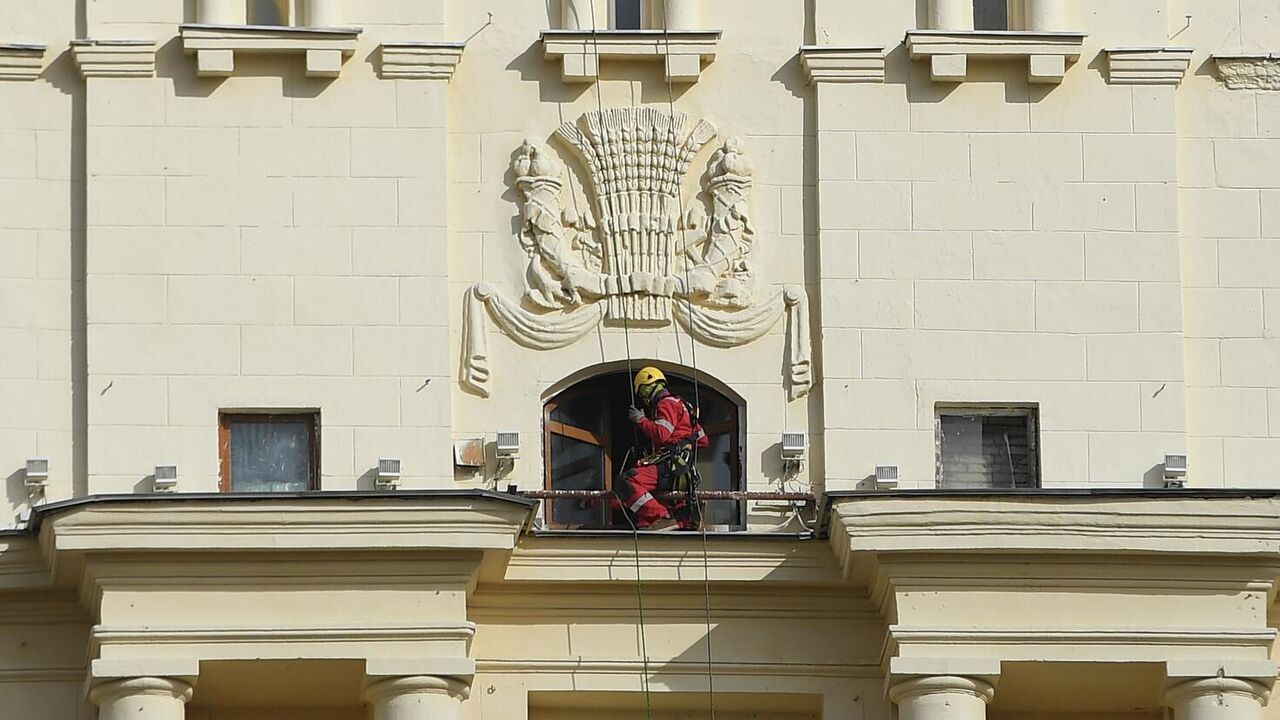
20 61
419 60
115 58
1047 53
1147 65
215 46
739 559
1258 71
837 64
229 642
682 52
204 523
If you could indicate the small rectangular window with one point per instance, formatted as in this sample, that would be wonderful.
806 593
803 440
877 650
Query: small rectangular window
269 452
627 15
984 447
991 14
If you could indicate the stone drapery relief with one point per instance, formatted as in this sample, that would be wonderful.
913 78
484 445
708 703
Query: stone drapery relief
640 255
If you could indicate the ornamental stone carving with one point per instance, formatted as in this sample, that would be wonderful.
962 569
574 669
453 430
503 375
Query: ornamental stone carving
641 254
1249 72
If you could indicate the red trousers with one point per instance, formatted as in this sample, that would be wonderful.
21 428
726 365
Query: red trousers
636 491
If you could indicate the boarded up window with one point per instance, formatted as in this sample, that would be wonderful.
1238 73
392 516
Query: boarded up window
987 448
269 452
991 14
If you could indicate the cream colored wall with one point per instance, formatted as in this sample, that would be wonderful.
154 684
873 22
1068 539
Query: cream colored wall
1229 187
267 241
995 241
41 264
504 91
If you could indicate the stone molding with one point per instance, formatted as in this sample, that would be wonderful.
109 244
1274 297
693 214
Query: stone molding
264 640
682 52
413 684
1147 66
20 61
837 64
941 684
160 686
1249 72
215 46
948 51
172 523
1120 637
115 58
1216 686
419 60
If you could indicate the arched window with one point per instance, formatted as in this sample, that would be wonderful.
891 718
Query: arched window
588 442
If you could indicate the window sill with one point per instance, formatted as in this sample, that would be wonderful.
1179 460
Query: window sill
682 52
215 46
1147 66
834 64
948 51
419 60
1259 71
21 62
115 58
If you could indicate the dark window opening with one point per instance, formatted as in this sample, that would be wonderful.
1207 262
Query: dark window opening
627 15
991 14
269 452
988 448
268 12
588 442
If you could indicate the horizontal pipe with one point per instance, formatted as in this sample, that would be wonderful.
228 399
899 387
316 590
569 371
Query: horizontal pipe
702 495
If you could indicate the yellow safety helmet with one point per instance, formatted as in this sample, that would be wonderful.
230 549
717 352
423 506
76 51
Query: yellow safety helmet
649 376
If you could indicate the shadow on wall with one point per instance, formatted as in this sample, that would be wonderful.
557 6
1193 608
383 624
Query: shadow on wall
15 490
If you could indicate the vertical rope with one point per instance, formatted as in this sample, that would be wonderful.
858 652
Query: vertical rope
697 394
626 336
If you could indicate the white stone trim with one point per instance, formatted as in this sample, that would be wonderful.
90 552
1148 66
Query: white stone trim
948 51
1147 65
19 61
115 58
842 64
215 46
419 60
1259 71
682 52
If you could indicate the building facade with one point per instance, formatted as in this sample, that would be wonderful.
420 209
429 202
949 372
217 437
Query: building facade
319 316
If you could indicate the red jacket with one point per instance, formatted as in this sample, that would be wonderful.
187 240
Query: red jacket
672 424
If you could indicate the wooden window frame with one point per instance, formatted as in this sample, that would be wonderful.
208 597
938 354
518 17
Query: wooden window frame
733 427
1028 411
226 418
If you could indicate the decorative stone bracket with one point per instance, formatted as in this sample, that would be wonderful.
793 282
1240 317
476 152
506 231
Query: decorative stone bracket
1249 72
834 64
1147 65
419 60
20 61
215 46
115 58
948 51
682 52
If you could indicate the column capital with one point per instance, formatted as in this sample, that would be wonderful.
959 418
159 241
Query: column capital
1188 689
936 684
382 689
110 691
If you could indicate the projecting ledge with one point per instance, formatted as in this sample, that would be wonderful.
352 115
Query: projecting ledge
419 60
840 64
115 58
1047 53
19 61
682 52
1257 71
215 46
1147 65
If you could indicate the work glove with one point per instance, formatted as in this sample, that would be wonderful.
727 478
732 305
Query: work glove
635 414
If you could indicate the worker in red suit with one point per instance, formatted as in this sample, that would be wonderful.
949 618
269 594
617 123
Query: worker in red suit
674 434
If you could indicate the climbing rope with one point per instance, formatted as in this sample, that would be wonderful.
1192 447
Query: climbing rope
626 336
697 395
